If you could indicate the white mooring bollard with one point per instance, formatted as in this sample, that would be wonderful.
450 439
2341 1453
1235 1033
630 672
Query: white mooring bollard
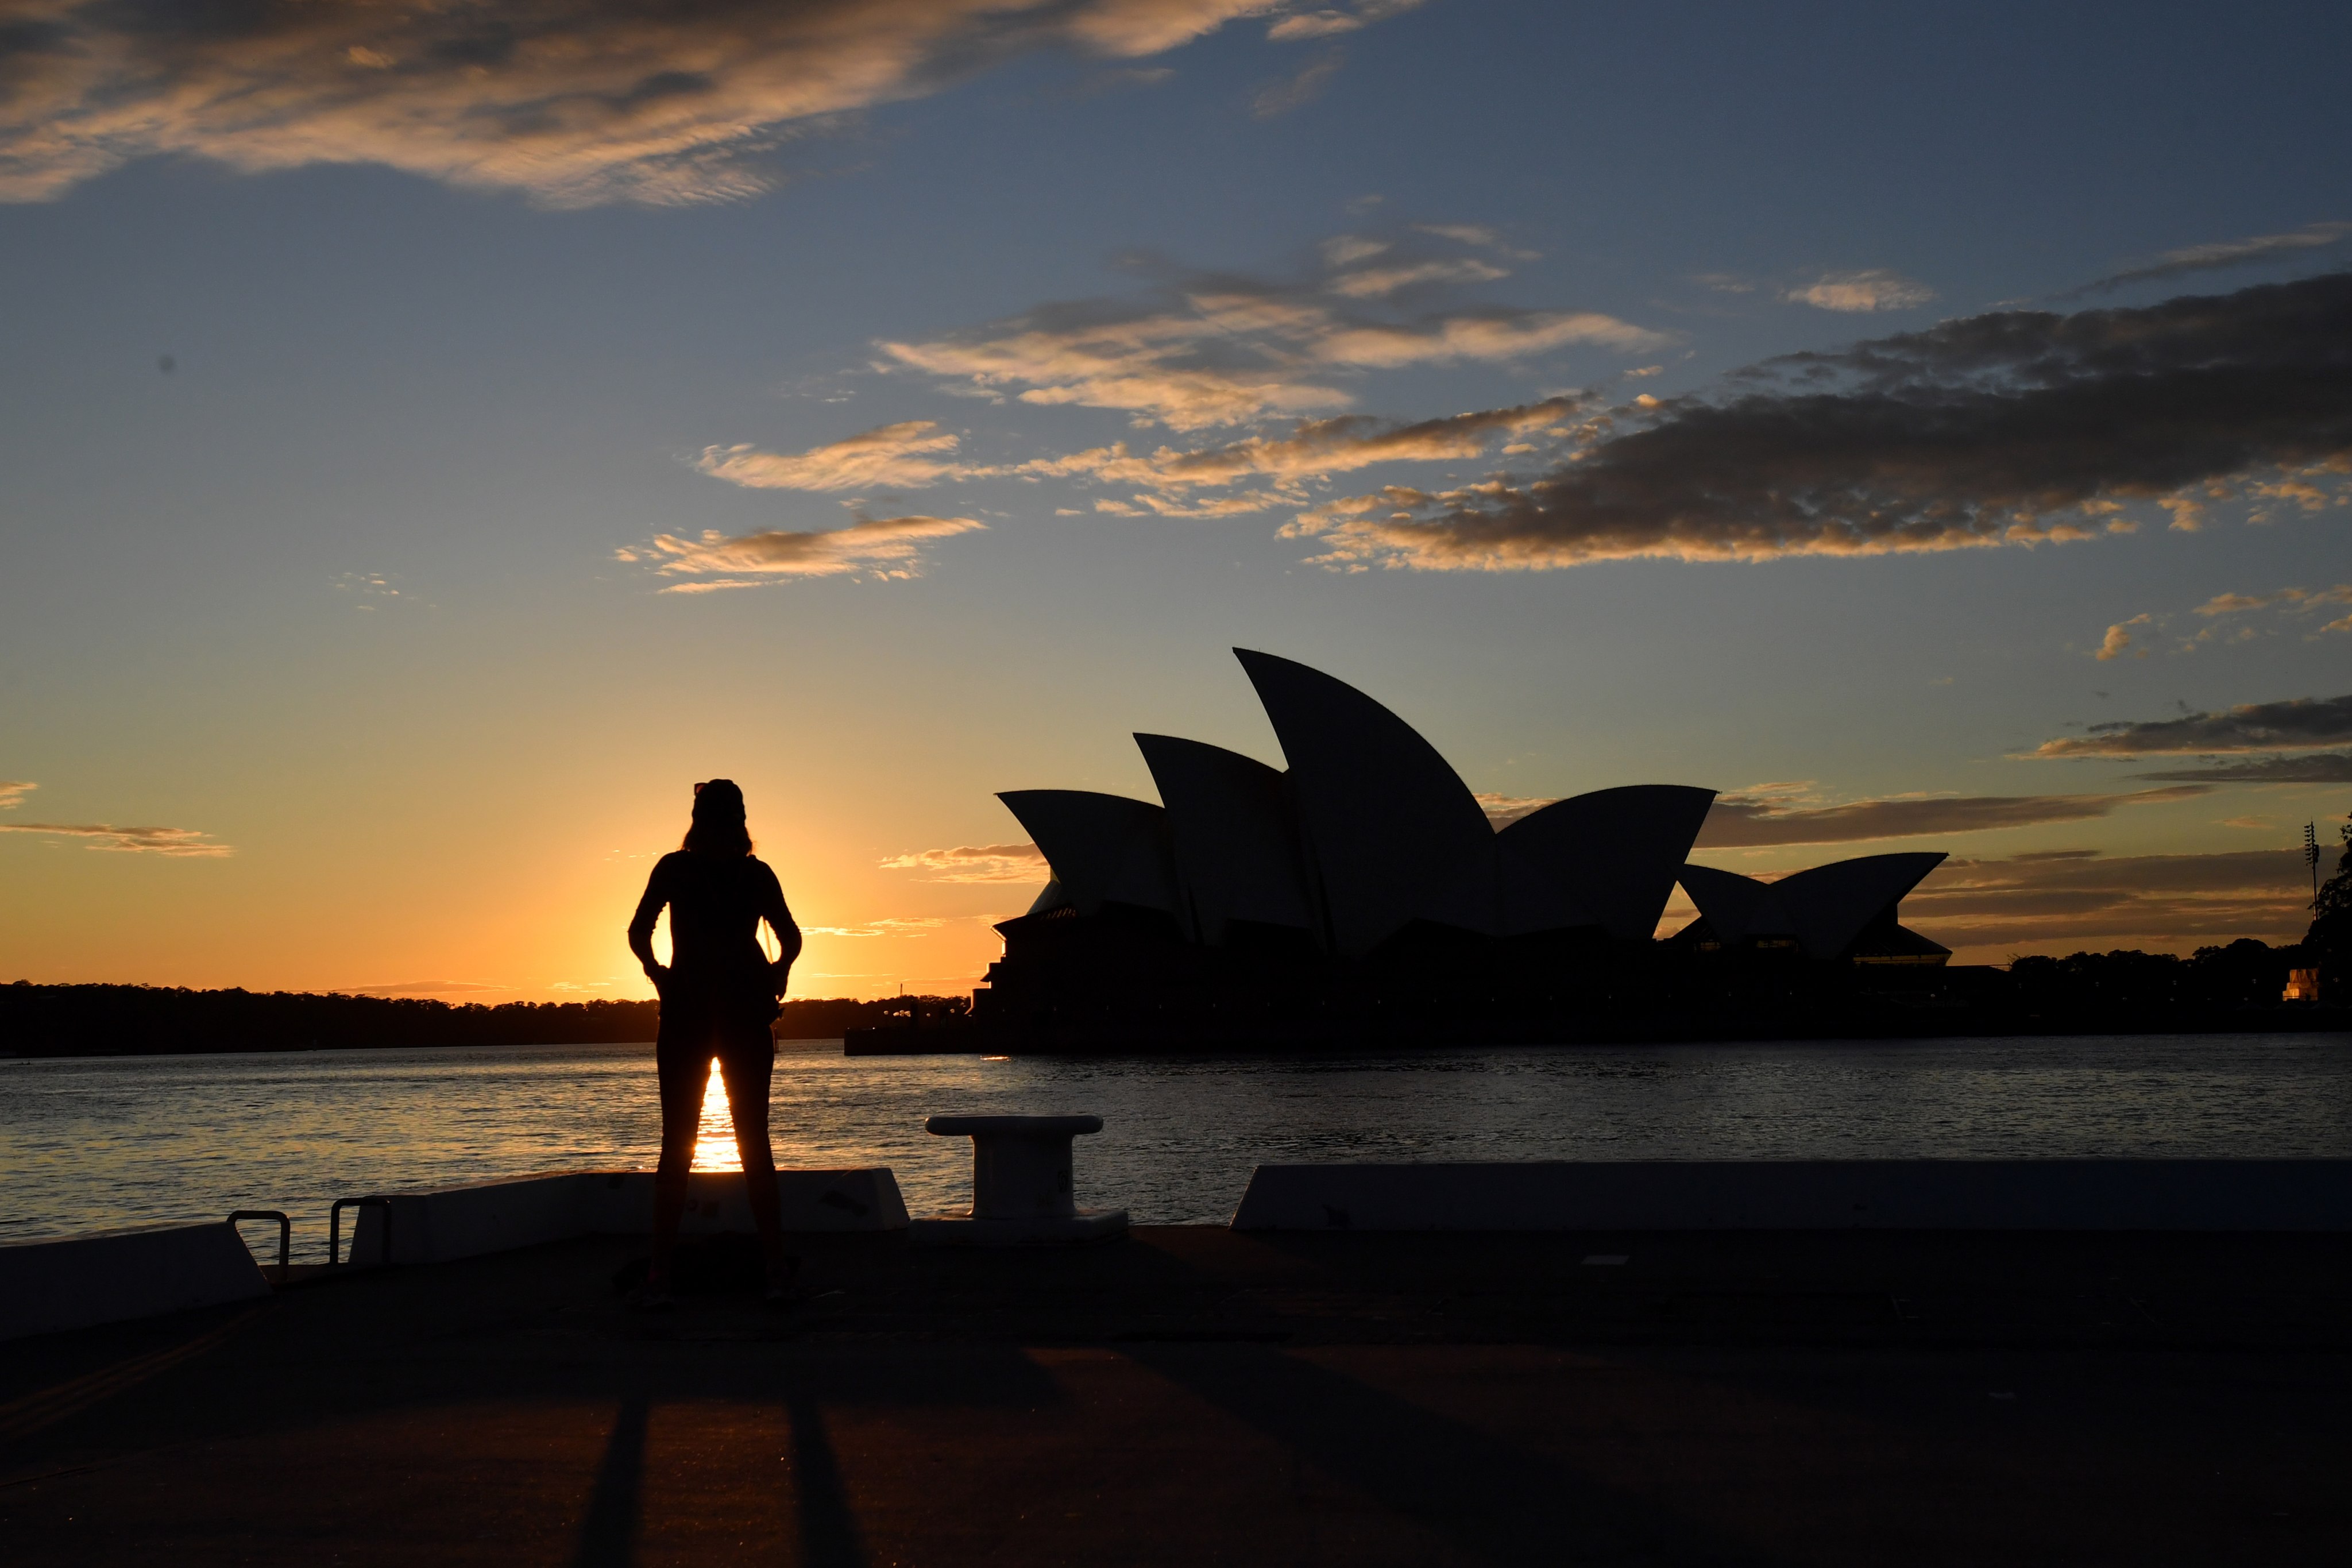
1022 1189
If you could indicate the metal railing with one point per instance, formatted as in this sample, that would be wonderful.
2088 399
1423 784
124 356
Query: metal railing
285 1230
335 1229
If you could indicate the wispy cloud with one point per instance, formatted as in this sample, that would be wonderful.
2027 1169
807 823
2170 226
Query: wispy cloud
428 989
1316 448
2218 255
576 101
906 455
1228 350
2311 768
1301 88
2083 897
1331 21
181 842
889 926
974 863
1873 289
2289 601
880 547
14 791
1748 821
1377 282
2301 724
1502 810
2017 427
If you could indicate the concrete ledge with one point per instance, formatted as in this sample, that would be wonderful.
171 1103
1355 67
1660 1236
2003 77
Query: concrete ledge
1045 1230
48 1286
1806 1194
439 1226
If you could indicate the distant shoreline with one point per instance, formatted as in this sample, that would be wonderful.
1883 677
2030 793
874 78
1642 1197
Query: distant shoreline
53 1022
101 1020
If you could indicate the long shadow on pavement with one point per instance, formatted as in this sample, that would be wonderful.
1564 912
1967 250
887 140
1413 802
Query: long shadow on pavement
1495 1502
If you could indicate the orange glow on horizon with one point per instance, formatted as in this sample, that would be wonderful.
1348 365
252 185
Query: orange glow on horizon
714 1140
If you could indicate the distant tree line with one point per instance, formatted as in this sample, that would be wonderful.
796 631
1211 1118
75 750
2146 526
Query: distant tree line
143 1020
2246 974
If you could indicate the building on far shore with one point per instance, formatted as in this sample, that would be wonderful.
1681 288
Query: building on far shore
1366 879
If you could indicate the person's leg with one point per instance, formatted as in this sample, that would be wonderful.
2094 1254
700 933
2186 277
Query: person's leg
749 1068
685 1071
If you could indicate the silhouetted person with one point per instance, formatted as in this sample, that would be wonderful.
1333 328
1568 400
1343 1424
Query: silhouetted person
718 999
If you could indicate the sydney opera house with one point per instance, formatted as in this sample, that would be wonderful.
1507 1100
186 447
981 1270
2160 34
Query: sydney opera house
1364 879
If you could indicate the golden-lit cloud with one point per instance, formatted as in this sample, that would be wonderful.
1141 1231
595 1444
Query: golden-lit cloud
181 842
974 863
178 842
2119 639
2301 724
2081 896
879 547
888 926
2012 429
1873 290
2232 618
905 454
1490 335
1146 505
574 101
2287 601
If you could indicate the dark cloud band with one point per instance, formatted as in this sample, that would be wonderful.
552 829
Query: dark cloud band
2013 427
2302 724
1735 823
2319 768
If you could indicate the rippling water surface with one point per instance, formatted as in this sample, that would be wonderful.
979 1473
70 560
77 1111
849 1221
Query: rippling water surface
98 1144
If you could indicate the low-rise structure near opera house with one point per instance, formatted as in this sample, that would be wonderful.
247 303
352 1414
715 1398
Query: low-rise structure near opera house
1366 883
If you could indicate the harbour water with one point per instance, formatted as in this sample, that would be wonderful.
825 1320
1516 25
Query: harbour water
98 1144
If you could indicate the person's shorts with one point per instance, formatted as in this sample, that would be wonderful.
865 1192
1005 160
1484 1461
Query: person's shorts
694 1031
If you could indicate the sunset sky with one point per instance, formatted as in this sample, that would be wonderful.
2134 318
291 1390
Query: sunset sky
431 440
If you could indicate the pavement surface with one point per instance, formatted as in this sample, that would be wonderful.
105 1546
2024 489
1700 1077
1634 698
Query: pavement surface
1198 1395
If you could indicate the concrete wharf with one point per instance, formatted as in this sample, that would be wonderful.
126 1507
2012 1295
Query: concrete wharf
1196 1394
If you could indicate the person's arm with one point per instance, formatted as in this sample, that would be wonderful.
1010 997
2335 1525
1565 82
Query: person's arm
641 926
788 935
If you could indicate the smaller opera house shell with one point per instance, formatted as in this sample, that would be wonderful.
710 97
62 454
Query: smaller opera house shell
1368 844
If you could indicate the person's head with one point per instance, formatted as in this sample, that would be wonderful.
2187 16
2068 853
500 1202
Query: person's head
718 828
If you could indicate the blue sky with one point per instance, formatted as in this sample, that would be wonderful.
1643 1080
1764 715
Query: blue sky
1018 361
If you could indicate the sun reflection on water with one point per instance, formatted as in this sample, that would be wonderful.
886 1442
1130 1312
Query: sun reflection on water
714 1140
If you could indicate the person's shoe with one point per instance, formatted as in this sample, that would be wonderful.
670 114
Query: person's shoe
653 1296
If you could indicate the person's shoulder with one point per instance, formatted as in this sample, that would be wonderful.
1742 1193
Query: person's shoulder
758 867
671 864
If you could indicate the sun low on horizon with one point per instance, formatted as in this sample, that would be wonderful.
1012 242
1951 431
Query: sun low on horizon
438 439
